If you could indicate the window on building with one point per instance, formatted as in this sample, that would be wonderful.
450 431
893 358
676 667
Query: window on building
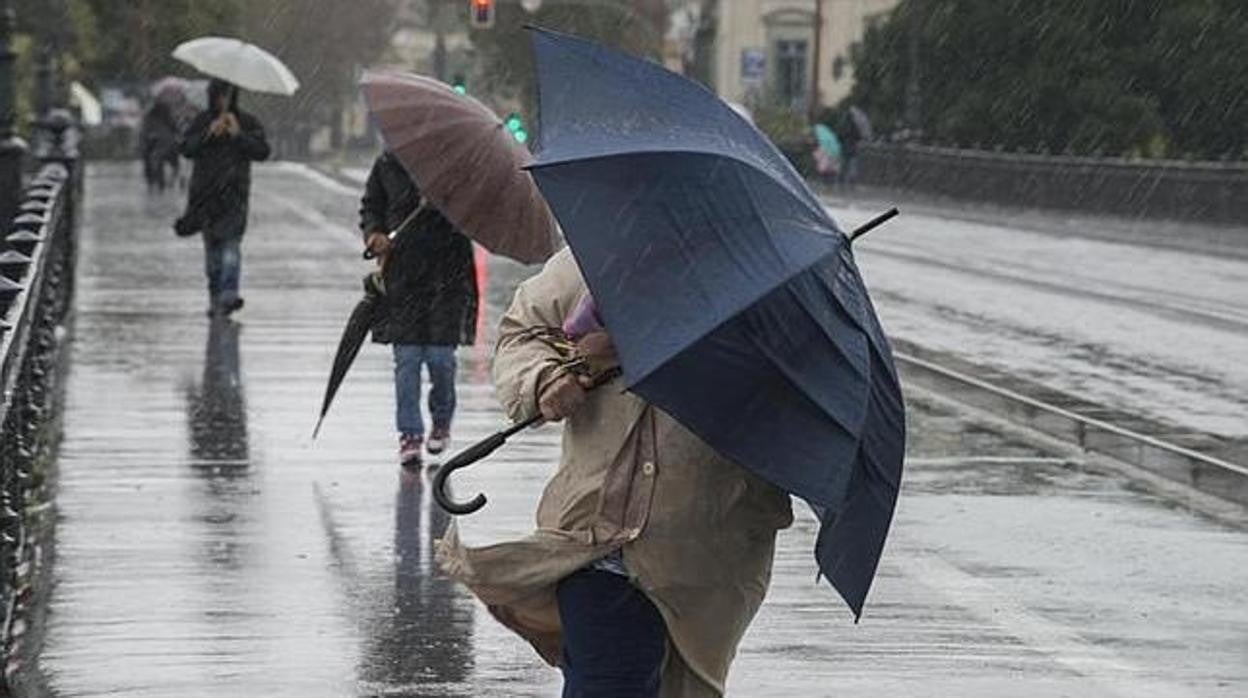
791 83
790 42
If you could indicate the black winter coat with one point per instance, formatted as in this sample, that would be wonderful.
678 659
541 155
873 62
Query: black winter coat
431 280
159 132
221 181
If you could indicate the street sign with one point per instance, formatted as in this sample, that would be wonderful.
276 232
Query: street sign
753 65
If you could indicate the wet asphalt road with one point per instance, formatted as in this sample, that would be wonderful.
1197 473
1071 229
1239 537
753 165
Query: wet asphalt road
207 547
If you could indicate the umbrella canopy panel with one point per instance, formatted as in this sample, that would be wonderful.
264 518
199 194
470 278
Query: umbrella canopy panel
87 103
631 105
828 142
675 244
238 62
465 162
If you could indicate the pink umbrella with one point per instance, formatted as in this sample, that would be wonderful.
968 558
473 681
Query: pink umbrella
465 163
170 90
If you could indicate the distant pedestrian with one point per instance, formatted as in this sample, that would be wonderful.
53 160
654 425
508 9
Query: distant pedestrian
222 141
854 128
429 305
827 153
159 144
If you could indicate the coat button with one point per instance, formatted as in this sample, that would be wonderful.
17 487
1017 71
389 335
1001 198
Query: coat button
647 468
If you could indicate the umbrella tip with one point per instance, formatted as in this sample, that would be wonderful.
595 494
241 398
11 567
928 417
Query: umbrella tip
873 223
317 430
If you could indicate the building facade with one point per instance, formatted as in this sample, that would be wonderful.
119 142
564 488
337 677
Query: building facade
764 50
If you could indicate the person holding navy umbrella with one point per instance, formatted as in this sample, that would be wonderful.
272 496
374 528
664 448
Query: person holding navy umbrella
744 365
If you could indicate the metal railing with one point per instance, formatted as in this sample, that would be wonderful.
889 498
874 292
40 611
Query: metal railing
37 255
1161 454
1212 192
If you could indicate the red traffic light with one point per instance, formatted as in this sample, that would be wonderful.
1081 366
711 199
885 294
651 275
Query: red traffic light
481 13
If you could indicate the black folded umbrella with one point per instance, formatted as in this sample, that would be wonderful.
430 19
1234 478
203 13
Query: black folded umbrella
360 322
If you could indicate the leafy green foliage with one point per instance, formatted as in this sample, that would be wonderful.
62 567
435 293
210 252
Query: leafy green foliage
1136 77
324 42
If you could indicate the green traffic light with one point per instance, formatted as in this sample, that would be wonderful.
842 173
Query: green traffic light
521 135
514 123
460 89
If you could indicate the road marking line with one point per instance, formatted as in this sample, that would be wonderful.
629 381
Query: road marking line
317 176
315 218
991 460
1061 643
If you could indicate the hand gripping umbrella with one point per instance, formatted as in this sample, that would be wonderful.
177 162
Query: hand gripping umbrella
734 301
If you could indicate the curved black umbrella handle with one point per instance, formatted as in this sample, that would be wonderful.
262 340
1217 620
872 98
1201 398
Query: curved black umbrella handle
483 448
467 457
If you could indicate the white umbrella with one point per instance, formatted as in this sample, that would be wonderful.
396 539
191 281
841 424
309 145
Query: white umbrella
238 62
88 105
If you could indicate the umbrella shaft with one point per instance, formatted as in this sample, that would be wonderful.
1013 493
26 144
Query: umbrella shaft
873 224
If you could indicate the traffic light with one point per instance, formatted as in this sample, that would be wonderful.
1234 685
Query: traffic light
481 13
515 126
459 84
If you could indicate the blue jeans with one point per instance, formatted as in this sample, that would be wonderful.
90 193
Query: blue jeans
408 359
223 266
614 640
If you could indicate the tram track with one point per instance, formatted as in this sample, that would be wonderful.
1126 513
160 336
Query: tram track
1210 464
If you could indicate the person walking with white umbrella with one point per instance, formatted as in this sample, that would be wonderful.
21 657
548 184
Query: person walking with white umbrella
223 141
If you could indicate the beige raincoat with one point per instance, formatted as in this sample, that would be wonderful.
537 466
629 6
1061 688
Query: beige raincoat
697 531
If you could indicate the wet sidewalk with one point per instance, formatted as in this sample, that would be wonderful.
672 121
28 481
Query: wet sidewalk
207 547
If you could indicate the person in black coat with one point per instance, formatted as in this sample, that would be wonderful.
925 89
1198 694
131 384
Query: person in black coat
222 141
160 144
430 302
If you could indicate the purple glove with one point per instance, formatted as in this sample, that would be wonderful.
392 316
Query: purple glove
583 320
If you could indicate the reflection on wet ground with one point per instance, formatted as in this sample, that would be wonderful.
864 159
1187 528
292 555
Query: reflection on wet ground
208 547
216 411
423 639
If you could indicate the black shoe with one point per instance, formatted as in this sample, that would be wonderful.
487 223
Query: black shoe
233 306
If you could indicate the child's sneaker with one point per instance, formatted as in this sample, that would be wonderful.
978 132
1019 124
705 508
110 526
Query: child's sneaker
409 450
439 439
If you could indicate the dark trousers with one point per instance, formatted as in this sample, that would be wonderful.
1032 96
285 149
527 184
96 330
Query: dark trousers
614 640
408 358
222 265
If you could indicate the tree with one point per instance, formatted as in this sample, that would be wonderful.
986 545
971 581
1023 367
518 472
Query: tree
131 41
1084 76
325 43
1200 62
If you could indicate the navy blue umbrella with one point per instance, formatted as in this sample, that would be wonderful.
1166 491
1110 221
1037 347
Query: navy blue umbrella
731 295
